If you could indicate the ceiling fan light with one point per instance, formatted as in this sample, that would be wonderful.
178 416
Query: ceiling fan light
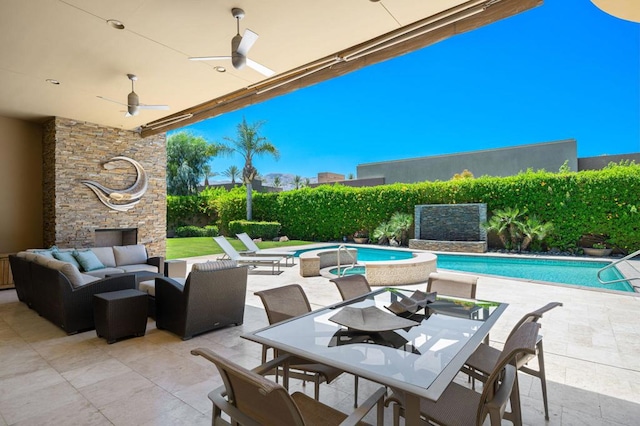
238 61
114 23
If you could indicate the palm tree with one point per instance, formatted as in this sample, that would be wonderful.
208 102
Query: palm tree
297 182
277 182
534 229
249 144
233 173
206 169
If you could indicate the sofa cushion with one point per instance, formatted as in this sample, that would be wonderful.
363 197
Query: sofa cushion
130 255
214 265
66 256
105 255
102 273
139 267
70 271
88 260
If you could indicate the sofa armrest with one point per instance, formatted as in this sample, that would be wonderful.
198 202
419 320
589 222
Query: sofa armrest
158 262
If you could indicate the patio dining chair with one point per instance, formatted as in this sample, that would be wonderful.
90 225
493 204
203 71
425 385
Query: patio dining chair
254 250
283 303
454 285
485 357
459 405
352 286
250 399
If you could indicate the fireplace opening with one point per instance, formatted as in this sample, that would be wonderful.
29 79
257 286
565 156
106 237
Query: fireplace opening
116 237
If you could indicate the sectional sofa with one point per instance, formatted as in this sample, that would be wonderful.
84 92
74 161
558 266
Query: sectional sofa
59 284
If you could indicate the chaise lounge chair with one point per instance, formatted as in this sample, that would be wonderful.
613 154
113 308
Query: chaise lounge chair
254 250
233 254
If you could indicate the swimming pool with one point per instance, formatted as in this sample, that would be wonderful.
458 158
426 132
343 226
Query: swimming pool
563 271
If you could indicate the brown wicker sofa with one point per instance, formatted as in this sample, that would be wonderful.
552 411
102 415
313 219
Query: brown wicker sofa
212 296
58 291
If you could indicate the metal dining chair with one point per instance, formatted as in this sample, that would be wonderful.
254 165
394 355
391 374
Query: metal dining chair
485 357
352 286
454 285
250 399
283 303
459 405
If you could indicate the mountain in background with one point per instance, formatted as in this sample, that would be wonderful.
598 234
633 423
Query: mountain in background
286 180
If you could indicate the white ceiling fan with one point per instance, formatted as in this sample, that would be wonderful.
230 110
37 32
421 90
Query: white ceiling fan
133 102
240 46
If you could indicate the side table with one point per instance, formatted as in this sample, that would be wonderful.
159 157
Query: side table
120 314
175 268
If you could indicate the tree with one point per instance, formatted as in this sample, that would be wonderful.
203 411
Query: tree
297 182
208 172
277 182
466 174
249 144
350 176
233 173
187 156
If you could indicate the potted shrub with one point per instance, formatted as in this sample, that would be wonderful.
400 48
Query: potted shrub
598 249
361 236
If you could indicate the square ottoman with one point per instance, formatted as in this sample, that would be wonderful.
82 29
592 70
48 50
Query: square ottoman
120 314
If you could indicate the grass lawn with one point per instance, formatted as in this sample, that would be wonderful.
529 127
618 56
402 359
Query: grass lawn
201 246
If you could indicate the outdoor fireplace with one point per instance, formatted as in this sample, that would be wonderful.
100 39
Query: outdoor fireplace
116 237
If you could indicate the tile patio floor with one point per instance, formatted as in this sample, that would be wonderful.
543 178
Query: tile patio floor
592 350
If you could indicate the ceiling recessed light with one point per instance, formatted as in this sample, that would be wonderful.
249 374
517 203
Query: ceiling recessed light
220 69
52 81
114 23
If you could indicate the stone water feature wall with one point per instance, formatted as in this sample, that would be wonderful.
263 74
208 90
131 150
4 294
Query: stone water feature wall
450 227
74 151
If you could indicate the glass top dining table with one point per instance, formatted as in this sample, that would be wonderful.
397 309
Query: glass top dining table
389 337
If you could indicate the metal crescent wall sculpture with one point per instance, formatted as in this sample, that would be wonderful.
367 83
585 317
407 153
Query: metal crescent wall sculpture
121 199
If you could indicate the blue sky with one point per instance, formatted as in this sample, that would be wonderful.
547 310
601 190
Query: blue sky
563 70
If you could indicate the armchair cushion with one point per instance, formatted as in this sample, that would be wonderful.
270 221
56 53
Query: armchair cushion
214 265
130 255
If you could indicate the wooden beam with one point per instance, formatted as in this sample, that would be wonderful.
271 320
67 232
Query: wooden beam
341 63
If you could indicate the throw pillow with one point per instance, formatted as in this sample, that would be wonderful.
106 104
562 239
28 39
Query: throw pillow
88 260
66 256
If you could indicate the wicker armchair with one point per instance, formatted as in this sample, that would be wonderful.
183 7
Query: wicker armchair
213 296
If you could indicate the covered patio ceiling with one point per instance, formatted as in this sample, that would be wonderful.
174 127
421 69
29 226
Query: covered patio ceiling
303 42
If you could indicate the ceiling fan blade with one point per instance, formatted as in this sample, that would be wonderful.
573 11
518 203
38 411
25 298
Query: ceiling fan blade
260 68
209 58
248 38
163 107
111 100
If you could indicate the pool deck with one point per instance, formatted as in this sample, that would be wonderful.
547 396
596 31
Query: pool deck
592 347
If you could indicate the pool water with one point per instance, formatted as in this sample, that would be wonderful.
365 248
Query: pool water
369 254
576 272
559 271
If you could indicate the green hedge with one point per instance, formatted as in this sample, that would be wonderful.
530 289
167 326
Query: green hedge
264 230
599 202
196 231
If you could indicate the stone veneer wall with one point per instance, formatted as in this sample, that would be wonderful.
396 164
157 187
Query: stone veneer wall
450 227
74 151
